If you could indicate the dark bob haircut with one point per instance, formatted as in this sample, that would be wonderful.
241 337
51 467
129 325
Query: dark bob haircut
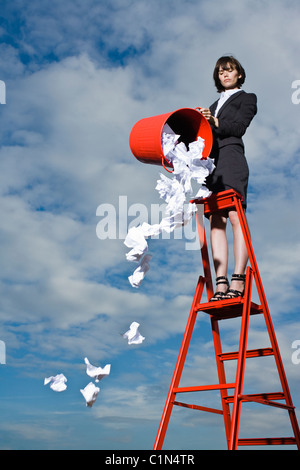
225 63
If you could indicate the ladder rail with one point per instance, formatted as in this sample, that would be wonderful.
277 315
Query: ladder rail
236 411
268 320
221 374
179 367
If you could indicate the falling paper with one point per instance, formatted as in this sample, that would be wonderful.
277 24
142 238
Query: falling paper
96 372
138 275
90 393
168 224
58 382
135 239
188 165
133 335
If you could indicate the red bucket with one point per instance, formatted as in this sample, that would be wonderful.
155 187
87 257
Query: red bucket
145 136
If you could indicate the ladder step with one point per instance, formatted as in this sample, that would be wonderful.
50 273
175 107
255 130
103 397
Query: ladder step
197 407
267 441
202 388
264 399
250 353
260 396
217 202
228 308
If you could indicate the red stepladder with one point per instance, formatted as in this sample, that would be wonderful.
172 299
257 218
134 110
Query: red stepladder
221 310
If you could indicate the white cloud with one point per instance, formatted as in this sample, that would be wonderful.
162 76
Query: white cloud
65 131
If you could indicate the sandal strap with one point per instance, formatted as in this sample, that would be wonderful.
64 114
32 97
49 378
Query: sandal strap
236 293
218 296
222 280
238 277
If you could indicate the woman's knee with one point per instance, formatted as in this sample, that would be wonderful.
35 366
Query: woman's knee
233 217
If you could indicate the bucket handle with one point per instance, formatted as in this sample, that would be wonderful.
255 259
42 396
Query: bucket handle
163 164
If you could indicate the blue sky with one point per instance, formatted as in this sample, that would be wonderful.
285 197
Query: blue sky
78 76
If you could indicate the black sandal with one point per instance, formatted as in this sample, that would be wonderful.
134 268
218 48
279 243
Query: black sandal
220 295
232 293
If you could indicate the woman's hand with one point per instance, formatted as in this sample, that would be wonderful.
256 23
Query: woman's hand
207 114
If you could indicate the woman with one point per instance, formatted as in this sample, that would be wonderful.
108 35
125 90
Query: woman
229 118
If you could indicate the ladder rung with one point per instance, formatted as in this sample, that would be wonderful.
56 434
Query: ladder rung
267 441
202 388
261 396
197 407
264 399
251 353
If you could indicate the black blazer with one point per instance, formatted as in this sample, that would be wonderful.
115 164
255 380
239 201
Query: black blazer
234 117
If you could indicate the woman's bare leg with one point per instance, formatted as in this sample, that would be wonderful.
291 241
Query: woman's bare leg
240 250
219 246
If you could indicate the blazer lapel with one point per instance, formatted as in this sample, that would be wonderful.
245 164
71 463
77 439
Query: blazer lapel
231 98
213 107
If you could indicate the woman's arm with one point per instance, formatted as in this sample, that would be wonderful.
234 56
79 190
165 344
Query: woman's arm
211 119
237 125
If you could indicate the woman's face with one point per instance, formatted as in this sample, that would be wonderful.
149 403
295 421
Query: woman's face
229 77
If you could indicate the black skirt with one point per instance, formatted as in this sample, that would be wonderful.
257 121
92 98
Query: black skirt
231 172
